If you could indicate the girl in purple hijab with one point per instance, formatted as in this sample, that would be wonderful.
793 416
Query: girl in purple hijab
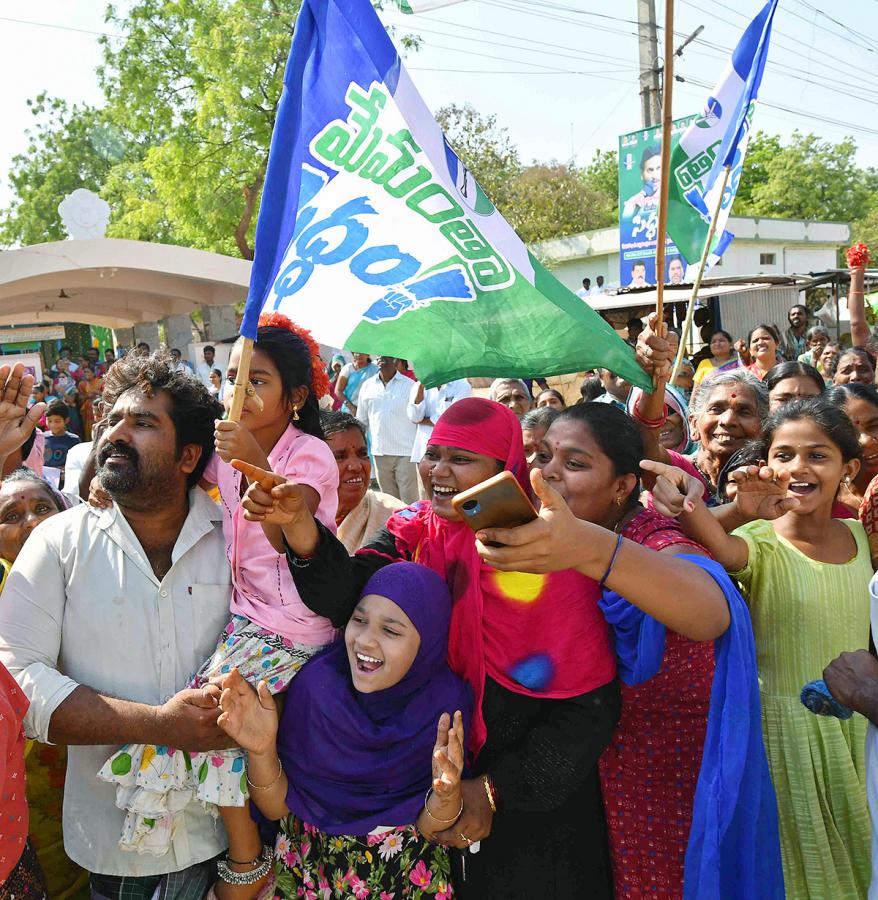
357 770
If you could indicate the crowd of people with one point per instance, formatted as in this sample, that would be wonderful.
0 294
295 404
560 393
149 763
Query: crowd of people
267 657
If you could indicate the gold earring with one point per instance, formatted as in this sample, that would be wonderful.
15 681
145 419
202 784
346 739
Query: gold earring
619 501
295 413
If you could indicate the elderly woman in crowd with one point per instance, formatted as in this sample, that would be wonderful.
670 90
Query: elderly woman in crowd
727 413
829 361
534 650
512 392
361 511
675 434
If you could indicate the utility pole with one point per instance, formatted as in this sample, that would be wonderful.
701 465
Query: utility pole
650 106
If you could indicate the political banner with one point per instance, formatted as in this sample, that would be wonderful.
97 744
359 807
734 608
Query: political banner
640 173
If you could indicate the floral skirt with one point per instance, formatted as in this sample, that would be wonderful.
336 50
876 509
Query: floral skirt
393 864
154 784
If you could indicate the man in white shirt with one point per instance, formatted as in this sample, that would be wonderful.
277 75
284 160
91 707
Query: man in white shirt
599 286
424 408
382 407
207 365
585 290
108 612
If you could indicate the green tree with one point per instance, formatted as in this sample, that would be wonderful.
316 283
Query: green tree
180 147
760 151
601 176
70 147
199 82
807 179
554 200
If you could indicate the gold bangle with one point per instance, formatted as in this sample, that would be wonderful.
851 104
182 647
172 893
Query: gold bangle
490 794
441 821
265 787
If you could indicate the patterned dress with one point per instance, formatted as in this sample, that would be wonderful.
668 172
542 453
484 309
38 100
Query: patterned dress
390 865
805 613
650 769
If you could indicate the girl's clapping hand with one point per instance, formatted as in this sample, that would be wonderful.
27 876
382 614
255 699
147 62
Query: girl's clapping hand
448 757
248 717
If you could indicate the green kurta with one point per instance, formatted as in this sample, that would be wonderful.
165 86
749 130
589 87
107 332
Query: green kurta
805 613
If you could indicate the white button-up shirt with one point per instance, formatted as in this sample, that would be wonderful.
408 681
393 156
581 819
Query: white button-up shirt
383 409
436 401
82 605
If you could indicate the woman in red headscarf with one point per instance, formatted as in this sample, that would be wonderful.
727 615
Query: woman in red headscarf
534 649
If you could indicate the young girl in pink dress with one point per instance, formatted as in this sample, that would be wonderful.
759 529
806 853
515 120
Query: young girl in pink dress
271 633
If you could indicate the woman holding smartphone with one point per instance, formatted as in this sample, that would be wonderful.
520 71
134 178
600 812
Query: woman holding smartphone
533 648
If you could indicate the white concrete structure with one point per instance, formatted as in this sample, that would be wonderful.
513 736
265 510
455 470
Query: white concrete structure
115 283
762 246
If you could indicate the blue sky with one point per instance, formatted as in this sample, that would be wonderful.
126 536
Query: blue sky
561 75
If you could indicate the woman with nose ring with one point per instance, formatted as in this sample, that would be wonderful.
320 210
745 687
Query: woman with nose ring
533 648
590 458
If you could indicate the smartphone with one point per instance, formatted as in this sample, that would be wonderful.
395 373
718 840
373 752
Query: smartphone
498 502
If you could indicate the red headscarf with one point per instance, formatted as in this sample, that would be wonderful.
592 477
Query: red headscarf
538 635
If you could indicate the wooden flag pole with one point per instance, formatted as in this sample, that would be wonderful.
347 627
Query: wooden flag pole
667 113
242 389
696 284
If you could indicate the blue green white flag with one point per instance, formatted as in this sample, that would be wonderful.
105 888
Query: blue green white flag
717 139
374 234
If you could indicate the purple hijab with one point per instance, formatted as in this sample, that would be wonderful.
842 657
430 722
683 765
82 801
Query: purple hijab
357 761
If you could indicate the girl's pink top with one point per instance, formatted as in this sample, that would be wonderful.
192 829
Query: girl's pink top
262 587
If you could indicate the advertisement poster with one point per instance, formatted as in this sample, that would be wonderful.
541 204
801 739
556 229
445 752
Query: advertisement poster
640 172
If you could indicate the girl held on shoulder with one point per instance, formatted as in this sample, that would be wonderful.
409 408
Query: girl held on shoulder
272 633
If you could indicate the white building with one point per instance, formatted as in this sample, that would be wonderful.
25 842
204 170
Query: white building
761 246
765 247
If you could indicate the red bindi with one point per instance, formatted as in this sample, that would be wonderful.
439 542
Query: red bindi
733 396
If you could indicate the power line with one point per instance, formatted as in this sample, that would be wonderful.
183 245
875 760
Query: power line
586 56
867 43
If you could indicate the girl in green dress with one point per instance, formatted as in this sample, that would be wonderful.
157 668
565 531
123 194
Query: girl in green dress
806 577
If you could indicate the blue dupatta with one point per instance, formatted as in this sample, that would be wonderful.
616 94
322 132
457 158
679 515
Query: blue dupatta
734 844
